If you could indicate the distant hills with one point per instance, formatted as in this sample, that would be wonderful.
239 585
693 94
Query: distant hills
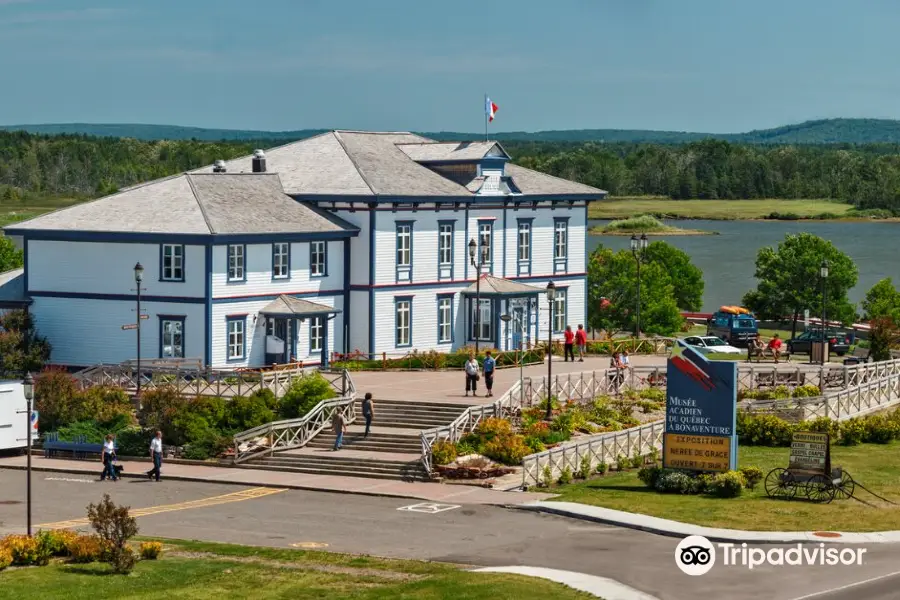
826 131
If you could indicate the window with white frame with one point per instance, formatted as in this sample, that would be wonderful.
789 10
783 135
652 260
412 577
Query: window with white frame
445 244
236 262
524 241
172 262
404 320
560 239
315 334
559 311
236 338
482 320
317 259
172 337
445 320
485 239
281 259
404 245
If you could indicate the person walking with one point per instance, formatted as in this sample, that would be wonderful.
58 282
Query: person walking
108 457
156 455
339 426
490 363
368 409
581 342
569 348
472 375
626 363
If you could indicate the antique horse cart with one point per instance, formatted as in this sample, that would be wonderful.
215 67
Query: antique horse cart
810 473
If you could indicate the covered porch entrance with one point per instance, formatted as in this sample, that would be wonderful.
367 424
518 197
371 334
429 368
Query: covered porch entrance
282 320
492 297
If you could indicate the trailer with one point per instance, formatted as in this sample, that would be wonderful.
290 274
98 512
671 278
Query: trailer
13 417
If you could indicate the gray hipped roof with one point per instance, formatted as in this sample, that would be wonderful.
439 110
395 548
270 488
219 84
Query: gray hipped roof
12 288
498 286
221 203
288 306
452 151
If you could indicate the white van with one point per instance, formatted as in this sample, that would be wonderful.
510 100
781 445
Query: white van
13 409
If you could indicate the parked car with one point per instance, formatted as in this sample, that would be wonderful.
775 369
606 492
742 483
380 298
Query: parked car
838 342
708 344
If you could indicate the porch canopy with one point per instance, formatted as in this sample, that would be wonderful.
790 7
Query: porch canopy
500 296
499 287
288 306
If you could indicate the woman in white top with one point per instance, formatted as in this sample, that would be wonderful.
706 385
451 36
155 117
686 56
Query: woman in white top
472 375
108 455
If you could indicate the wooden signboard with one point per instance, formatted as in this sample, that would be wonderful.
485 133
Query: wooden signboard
697 452
811 452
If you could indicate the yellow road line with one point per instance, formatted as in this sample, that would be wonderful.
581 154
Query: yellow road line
249 494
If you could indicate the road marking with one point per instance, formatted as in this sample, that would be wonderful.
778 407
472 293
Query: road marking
70 479
431 508
310 545
248 494
848 586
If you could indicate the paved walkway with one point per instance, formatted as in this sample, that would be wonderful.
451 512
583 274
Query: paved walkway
610 516
434 492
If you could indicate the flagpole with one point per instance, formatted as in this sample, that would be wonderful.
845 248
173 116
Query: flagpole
485 118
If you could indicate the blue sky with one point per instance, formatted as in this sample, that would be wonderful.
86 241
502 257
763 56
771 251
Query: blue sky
698 65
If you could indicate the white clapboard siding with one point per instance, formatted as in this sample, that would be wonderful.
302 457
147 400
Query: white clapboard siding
359 245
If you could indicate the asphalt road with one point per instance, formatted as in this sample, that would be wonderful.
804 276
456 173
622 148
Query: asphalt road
471 535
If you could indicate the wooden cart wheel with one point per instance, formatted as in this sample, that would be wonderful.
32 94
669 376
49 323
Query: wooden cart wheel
846 487
820 489
780 484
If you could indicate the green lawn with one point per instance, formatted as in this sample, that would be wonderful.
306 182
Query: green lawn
624 207
214 571
22 211
874 465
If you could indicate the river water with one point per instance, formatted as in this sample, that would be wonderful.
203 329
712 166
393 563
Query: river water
728 260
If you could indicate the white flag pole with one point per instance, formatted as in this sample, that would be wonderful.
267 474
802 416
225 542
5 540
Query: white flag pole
486 110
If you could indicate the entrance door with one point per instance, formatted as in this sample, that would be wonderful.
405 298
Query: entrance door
518 323
281 329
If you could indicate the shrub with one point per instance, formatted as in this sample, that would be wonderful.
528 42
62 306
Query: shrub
653 455
54 390
133 441
764 430
752 476
637 460
823 425
563 423
623 463
703 482
109 406
566 476
534 444
5 557
158 408
493 427
674 482
555 437
781 392
443 452
649 475
151 550
540 430
56 540
508 450
243 413
268 397
880 429
115 527
85 549
653 394
27 551
853 432
603 468
729 484
547 476
464 448
304 394
807 391
584 467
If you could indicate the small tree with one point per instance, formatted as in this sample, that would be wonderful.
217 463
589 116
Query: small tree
115 526
21 349
10 256
882 300
883 335
304 394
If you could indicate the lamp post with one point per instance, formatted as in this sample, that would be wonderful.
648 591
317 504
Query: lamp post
551 297
482 259
138 278
638 246
823 273
28 390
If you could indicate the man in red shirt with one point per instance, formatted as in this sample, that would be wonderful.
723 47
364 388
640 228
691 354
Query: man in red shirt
581 342
775 347
569 349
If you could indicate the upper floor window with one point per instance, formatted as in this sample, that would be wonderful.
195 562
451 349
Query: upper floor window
560 239
445 243
318 259
525 241
236 262
404 245
172 262
281 260
485 240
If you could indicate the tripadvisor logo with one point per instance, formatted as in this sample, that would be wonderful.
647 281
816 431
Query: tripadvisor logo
696 555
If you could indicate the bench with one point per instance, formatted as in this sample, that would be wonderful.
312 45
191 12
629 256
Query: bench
859 355
80 448
834 379
772 380
762 352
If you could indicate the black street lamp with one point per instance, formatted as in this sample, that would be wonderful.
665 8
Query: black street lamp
482 259
551 299
638 246
823 273
138 278
28 390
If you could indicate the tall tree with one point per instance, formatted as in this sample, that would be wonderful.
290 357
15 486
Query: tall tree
789 281
10 256
21 349
882 300
686 278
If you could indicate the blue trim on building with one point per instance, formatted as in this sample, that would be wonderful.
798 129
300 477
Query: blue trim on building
441 284
191 239
452 224
367 200
490 263
288 275
586 258
345 345
505 234
208 304
258 297
466 244
324 272
371 283
451 298
324 359
117 297
229 319
243 277
561 265
522 266
398 300
403 270
162 263
183 334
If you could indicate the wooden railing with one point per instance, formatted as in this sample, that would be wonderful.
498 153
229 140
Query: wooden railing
296 433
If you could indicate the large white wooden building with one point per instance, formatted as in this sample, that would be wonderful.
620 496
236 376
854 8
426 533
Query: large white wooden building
347 241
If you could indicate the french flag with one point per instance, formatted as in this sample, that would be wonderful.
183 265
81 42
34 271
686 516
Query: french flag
490 109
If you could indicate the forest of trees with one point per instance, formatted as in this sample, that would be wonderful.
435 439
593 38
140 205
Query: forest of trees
867 175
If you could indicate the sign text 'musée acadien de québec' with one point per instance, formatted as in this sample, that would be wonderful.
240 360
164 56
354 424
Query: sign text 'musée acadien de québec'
701 402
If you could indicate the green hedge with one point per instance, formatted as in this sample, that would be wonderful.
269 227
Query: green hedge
433 360
770 430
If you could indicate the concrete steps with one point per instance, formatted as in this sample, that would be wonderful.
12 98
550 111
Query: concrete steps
344 463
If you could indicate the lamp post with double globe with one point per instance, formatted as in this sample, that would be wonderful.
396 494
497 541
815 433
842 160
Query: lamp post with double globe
551 299
477 264
638 247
